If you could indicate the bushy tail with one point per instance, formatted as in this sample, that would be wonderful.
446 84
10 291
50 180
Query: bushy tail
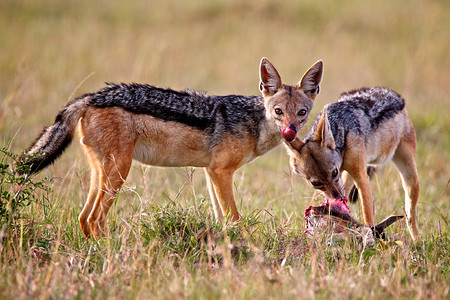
54 139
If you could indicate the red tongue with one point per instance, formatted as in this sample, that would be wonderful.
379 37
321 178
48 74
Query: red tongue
288 134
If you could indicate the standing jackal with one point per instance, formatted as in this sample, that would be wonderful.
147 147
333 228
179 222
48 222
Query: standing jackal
163 127
369 126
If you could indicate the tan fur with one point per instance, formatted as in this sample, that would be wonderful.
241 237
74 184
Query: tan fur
155 140
109 149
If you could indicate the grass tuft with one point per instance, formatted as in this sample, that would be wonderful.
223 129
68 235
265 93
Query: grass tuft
192 236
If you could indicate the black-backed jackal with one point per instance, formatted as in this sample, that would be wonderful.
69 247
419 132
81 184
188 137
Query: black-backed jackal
368 126
163 127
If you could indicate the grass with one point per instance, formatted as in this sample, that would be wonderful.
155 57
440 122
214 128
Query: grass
164 241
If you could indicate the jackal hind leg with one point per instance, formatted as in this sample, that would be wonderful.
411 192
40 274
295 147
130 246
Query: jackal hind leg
113 173
404 160
93 192
222 182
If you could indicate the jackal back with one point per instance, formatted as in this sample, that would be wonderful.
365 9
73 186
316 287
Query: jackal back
215 114
360 111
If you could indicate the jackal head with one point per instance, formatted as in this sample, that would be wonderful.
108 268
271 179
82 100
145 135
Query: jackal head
289 106
317 160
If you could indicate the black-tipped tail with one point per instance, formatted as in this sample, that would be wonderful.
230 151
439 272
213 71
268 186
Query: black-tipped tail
53 140
50 144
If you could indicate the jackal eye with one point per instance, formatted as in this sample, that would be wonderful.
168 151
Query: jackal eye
278 111
316 184
302 112
335 173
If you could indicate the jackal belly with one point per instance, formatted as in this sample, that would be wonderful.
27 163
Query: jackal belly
169 156
383 142
169 144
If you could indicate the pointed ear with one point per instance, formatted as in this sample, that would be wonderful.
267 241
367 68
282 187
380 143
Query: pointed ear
270 80
323 134
311 80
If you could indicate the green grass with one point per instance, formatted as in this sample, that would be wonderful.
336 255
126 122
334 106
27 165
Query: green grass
164 241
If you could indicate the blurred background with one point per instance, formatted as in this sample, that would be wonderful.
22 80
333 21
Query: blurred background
52 51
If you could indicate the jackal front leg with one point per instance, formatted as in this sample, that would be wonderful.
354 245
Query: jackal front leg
222 182
405 162
212 194
349 185
357 168
363 185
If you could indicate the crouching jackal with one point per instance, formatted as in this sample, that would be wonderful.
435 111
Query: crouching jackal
163 127
368 126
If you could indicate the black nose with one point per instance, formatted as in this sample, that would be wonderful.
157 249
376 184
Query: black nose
337 196
293 128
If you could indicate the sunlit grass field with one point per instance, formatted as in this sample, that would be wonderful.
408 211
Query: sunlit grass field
164 242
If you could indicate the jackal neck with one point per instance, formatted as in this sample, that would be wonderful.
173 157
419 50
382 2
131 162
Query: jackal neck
269 136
